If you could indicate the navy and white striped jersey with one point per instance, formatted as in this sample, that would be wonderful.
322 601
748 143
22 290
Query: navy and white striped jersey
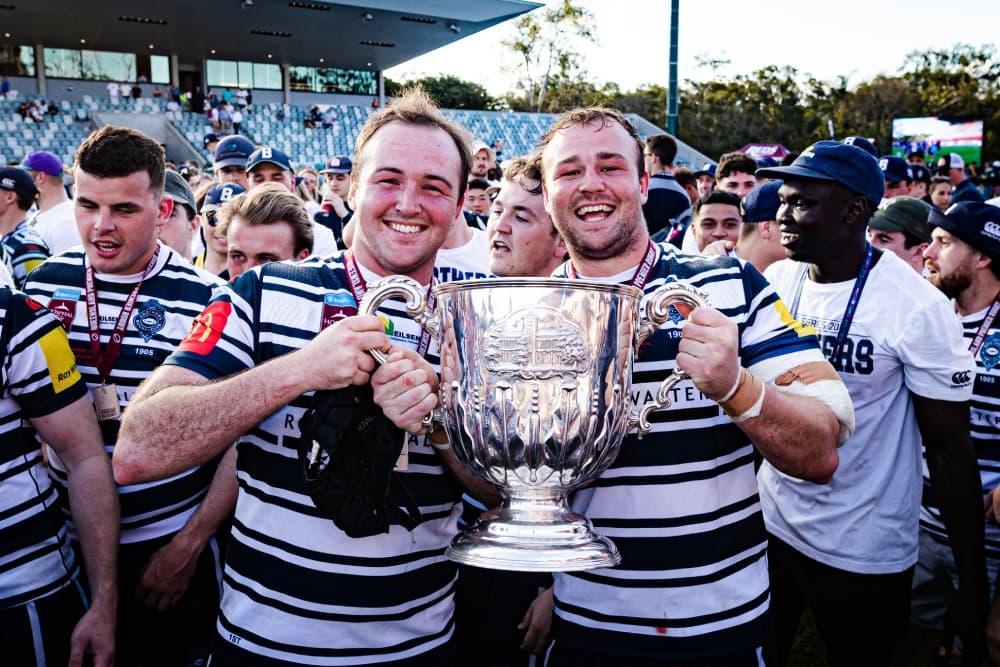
297 590
984 428
38 376
169 300
24 250
681 504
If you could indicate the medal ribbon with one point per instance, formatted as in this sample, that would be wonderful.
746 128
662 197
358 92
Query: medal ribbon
105 360
641 272
977 340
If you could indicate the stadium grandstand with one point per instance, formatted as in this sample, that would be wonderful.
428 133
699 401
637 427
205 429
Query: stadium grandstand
294 58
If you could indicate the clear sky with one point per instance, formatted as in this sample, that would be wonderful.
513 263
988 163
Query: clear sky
858 38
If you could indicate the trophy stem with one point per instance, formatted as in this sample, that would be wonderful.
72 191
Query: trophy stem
534 531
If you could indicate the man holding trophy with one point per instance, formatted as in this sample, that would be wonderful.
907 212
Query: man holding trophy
299 589
681 504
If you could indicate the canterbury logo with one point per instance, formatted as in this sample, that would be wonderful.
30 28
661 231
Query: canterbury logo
962 377
992 230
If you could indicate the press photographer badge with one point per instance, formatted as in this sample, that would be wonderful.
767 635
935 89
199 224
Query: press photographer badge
106 402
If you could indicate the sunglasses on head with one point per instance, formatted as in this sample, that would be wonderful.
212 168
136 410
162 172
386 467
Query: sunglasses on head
212 217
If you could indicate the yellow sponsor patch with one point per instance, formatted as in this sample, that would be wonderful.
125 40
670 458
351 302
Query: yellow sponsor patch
791 322
60 360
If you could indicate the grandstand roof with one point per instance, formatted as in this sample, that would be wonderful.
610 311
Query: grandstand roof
346 34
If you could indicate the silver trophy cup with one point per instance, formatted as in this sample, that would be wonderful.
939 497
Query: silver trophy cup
535 399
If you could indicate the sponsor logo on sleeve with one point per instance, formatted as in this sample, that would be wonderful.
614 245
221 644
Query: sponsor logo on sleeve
207 328
59 358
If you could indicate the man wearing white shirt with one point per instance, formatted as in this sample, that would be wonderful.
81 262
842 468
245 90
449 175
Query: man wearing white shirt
54 221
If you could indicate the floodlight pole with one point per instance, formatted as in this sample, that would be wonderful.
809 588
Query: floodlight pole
672 91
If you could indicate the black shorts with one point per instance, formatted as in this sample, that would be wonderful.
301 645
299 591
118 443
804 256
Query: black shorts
38 632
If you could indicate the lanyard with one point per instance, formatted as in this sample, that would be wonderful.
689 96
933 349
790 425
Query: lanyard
106 360
642 271
852 304
977 340
359 287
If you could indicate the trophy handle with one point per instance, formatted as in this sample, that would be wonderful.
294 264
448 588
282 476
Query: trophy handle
657 312
416 304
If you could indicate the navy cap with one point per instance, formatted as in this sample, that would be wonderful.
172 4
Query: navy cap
268 155
920 173
338 164
896 169
19 181
848 165
708 169
765 162
219 195
762 203
233 151
209 138
903 214
862 143
976 223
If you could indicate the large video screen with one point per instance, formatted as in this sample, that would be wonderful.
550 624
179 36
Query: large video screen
936 135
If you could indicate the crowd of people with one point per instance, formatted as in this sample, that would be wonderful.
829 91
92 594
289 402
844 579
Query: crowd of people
185 344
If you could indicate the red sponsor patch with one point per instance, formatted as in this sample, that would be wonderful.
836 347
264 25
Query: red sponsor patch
32 304
207 328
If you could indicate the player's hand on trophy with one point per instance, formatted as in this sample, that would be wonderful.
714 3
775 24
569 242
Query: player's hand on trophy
406 388
338 356
707 352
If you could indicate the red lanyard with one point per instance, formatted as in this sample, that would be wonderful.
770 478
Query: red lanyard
106 360
642 271
977 340
359 288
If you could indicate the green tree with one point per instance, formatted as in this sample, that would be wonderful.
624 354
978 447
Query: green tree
547 43
449 92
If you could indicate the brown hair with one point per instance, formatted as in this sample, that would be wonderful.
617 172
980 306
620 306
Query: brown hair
266 204
415 107
735 162
526 172
116 152
605 116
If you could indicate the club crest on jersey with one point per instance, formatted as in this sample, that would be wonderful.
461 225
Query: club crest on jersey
150 319
989 354
674 315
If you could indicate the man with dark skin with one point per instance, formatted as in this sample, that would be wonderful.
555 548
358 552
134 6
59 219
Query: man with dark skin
847 549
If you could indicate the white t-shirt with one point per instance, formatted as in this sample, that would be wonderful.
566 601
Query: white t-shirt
904 338
466 262
324 242
57 227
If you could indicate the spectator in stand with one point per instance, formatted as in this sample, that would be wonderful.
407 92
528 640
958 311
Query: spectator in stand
329 117
237 119
939 193
197 100
4 87
113 92
136 92
225 116
157 93
54 221
964 189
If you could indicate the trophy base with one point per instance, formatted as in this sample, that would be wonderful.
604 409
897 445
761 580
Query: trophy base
509 544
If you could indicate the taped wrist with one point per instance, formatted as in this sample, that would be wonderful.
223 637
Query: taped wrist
748 398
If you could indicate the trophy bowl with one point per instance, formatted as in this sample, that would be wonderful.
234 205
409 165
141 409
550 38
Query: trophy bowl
535 399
